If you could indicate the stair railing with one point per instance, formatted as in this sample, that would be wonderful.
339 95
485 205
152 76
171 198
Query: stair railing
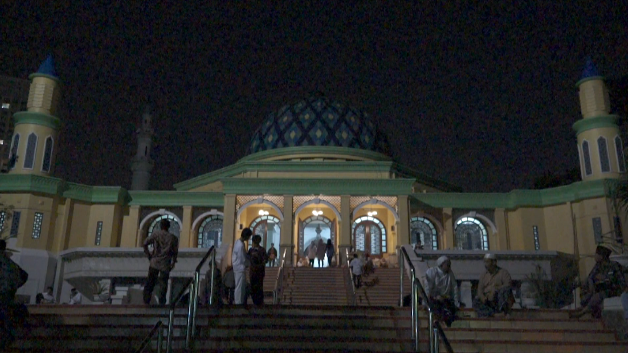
352 300
193 285
160 338
434 328
280 275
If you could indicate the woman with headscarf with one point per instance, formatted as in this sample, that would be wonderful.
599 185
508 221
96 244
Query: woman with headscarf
329 248
320 252
605 280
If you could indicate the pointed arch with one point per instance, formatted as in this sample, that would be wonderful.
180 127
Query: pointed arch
260 201
376 202
619 153
586 156
317 201
602 147
47 157
31 148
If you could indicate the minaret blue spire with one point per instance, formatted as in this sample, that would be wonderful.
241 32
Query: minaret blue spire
48 67
589 69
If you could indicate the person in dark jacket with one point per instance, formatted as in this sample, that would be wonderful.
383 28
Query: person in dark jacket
258 259
12 277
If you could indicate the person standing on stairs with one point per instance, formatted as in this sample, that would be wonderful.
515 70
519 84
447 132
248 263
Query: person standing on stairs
320 252
162 260
356 270
12 277
311 253
258 258
272 255
442 290
329 248
240 263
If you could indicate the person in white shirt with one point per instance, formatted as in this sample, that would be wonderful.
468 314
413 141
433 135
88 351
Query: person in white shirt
356 270
240 263
442 290
47 297
75 297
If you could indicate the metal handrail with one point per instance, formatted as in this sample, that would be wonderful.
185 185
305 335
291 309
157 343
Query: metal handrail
193 285
353 300
418 290
160 337
280 275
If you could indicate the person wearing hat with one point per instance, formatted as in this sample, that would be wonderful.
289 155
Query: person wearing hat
12 277
442 290
494 292
605 280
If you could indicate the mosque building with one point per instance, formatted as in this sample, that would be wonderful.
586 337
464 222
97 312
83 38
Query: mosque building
315 169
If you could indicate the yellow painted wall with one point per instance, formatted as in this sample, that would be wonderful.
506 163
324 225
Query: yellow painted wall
591 136
558 234
79 228
130 224
521 222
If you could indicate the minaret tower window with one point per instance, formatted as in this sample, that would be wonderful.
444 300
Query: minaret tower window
587 158
619 148
605 163
31 147
45 166
16 144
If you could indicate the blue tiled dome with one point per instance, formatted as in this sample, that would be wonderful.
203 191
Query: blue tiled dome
318 121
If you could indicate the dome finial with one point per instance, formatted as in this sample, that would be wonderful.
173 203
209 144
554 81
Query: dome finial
590 70
47 67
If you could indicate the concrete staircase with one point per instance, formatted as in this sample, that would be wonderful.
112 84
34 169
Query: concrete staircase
108 329
314 286
381 288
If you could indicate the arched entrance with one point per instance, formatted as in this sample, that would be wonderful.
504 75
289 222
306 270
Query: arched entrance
269 228
317 229
210 232
471 234
369 236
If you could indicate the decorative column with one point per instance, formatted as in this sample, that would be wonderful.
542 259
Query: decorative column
228 225
286 241
500 238
403 228
345 228
448 229
186 238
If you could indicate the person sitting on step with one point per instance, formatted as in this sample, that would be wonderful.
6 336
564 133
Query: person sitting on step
494 293
605 280
442 290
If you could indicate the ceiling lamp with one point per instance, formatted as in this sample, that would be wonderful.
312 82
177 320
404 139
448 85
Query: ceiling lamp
372 213
317 212
263 213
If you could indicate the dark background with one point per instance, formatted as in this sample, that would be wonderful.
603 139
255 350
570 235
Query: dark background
481 95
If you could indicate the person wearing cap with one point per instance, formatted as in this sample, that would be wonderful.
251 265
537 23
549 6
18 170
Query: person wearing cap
12 277
494 292
442 290
605 280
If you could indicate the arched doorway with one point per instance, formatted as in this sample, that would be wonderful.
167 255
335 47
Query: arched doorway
423 229
269 228
317 229
471 234
175 226
369 236
210 232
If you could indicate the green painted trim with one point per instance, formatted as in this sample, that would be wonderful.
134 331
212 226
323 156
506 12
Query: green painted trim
323 150
37 119
595 122
280 186
516 198
97 194
31 183
36 74
425 179
176 198
589 79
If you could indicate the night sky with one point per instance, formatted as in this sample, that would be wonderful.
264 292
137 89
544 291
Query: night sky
482 96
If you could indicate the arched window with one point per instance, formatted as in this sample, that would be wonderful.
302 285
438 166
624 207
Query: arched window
269 228
13 153
619 148
175 227
369 235
587 158
210 232
471 234
423 229
31 147
602 147
45 165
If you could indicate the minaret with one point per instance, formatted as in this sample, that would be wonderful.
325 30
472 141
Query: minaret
599 142
34 142
142 163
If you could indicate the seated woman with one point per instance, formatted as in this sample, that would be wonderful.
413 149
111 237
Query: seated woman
605 280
